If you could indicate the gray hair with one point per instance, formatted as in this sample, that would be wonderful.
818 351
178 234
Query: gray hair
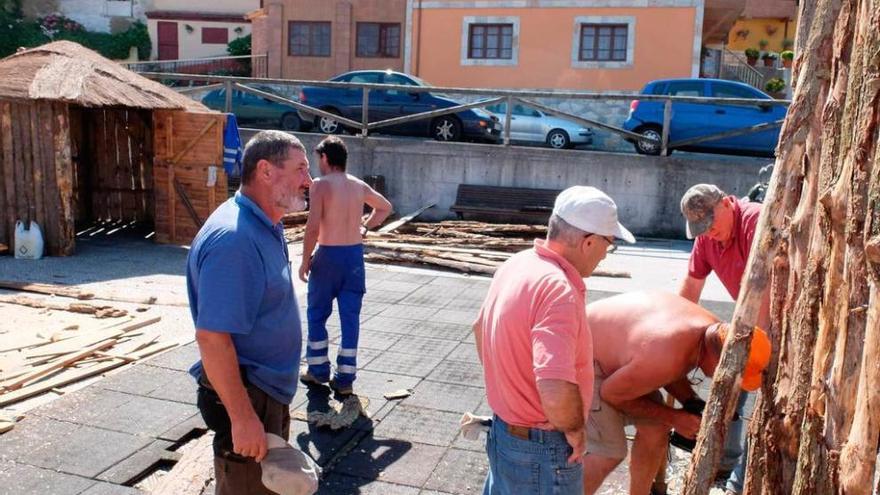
272 146
561 231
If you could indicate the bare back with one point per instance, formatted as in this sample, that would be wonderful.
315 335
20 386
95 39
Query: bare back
653 334
341 198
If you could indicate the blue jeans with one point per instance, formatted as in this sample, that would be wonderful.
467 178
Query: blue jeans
736 448
337 273
537 466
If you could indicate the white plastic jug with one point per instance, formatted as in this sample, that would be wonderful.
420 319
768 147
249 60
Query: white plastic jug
28 242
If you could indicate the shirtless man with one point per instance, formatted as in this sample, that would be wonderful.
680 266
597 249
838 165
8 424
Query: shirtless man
642 342
336 271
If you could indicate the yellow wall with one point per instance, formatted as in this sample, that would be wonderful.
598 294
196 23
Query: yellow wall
664 47
757 31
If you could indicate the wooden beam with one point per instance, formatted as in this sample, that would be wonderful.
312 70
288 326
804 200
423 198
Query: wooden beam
50 289
391 227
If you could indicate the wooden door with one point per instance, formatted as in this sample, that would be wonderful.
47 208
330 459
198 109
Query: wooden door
168 45
188 176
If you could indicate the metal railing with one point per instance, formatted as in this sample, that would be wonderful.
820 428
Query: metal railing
239 66
508 96
734 65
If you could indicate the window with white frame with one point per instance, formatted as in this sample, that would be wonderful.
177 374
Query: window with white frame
490 41
603 42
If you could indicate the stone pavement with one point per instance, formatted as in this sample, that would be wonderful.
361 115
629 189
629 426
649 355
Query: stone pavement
415 334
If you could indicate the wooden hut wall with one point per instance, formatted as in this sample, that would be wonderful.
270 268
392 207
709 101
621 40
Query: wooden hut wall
113 165
189 179
35 165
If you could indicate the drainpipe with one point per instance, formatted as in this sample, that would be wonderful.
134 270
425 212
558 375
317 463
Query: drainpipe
418 42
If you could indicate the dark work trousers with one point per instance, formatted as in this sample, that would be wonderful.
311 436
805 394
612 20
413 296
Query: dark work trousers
234 474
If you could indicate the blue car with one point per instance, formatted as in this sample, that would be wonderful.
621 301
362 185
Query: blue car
690 120
474 125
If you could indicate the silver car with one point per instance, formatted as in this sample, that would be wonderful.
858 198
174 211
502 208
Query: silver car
530 125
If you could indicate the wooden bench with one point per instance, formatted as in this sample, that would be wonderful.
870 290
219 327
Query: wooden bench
507 204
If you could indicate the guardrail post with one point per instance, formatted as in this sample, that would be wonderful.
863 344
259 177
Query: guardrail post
508 116
667 118
365 113
228 105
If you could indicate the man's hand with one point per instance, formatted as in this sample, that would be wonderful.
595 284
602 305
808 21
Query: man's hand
304 269
249 438
686 424
577 439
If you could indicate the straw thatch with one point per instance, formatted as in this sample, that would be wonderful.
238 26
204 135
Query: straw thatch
68 72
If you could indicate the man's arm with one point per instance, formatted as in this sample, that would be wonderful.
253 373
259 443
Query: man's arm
381 208
313 228
221 366
691 288
681 390
627 390
478 338
562 404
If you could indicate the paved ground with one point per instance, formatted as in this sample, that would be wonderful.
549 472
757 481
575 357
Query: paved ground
415 334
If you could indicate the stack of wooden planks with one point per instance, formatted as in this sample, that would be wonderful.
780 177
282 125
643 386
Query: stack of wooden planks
41 364
464 246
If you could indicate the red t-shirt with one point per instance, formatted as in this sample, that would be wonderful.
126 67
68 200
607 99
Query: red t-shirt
728 264
534 327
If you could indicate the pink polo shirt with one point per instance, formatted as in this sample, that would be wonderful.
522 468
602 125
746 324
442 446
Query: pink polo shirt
728 263
534 327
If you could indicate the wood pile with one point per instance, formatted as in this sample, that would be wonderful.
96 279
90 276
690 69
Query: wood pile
44 363
464 246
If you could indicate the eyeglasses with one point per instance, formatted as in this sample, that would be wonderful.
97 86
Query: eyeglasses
609 239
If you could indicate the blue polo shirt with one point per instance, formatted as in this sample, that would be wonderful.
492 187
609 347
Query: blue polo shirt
238 278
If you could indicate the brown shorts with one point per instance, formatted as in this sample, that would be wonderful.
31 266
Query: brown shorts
606 434
234 474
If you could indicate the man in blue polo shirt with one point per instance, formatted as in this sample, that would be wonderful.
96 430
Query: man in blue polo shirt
245 311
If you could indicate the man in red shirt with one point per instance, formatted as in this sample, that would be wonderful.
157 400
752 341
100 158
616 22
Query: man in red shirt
536 349
724 228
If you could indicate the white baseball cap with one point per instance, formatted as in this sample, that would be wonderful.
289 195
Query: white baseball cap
592 211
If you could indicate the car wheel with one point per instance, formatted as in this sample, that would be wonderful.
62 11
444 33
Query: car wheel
446 128
646 148
327 125
558 139
291 122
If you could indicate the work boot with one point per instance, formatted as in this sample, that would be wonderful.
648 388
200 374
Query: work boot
309 379
341 389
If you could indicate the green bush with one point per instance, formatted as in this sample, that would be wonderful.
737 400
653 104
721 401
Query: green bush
775 85
752 53
16 32
768 56
239 46
787 55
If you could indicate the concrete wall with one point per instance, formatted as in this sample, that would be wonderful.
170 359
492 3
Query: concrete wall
647 189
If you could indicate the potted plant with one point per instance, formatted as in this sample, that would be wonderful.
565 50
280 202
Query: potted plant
742 34
769 59
775 87
787 56
752 56
787 44
763 44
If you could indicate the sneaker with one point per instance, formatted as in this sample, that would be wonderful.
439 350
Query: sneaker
310 379
341 389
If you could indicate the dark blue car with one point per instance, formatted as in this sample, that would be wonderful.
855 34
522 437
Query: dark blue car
473 125
690 120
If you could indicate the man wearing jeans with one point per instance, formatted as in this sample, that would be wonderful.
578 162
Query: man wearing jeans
535 345
245 313
724 228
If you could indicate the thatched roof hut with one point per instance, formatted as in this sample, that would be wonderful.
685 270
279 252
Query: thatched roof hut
85 141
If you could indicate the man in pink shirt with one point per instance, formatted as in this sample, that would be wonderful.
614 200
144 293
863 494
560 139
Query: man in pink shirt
724 228
536 348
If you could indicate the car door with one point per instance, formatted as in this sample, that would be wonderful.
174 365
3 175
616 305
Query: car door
353 98
394 103
732 117
688 119
529 122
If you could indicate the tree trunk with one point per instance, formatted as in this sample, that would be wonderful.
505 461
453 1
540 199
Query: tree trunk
817 250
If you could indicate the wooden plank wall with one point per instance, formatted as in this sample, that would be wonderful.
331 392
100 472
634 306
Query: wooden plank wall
35 165
186 146
114 165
